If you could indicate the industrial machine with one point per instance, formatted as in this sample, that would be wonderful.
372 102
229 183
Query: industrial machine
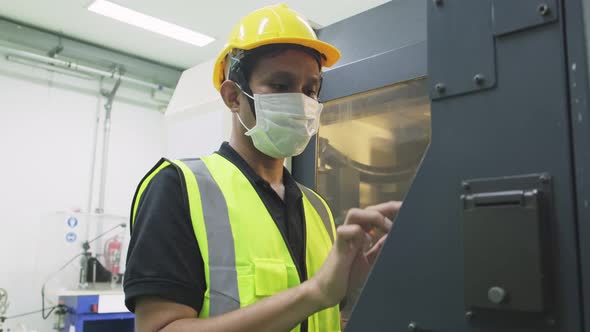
95 310
476 114
88 286
98 301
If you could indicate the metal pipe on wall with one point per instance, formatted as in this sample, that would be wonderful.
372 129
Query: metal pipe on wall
70 65
26 62
105 145
157 102
94 149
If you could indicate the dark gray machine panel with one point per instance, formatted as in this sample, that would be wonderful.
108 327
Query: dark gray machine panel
469 60
520 125
577 24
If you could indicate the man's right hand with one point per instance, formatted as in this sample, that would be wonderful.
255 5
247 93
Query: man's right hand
331 282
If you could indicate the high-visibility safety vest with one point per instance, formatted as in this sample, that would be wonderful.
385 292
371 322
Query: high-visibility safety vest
245 256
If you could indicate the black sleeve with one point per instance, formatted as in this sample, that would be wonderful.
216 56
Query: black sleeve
164 258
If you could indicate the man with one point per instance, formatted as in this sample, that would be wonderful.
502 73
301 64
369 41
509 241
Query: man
230 242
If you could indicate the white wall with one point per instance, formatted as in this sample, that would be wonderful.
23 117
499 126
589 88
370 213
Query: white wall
197 132
47 124
197 120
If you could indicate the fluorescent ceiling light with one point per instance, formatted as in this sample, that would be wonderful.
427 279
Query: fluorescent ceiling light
149 23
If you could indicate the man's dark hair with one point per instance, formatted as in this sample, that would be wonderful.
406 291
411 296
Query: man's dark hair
251 58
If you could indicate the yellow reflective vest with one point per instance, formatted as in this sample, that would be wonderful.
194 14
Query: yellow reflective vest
245 256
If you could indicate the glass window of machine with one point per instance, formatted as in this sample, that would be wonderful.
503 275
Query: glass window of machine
371 144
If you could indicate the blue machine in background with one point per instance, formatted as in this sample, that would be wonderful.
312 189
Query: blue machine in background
98 312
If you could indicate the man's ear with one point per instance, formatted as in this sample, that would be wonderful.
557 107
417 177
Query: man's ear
231 95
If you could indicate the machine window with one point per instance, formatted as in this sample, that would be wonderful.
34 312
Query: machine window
371 144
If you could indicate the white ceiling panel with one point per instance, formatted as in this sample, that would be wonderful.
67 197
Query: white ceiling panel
212 18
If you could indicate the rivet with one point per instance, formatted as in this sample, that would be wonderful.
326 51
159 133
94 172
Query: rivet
440 88
543 9
412 327
479 79
465 185
497 295
469 315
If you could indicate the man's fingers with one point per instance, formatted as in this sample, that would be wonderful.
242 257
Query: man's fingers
348 233
369 242
374 252
388 209
368 219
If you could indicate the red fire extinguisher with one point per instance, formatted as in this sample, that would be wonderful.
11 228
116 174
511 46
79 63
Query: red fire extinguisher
113 255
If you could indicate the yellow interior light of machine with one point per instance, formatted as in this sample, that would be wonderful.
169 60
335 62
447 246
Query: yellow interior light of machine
370 145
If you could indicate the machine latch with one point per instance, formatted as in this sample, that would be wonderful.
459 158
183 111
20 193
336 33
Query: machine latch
506 224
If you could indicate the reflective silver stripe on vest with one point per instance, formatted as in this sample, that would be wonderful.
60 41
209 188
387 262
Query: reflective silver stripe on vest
319 206
223 278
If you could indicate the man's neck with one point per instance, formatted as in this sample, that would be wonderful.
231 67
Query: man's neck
270 169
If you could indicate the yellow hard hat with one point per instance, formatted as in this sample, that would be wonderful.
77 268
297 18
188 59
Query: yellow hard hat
272 25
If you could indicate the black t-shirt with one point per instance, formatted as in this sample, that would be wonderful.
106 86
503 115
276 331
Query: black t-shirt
164 259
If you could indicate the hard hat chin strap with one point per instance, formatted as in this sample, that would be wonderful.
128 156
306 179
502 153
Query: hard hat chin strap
237 75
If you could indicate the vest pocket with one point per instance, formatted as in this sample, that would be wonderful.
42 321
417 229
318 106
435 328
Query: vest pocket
270 276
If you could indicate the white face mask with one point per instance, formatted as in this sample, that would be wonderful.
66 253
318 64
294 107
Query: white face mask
285 122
